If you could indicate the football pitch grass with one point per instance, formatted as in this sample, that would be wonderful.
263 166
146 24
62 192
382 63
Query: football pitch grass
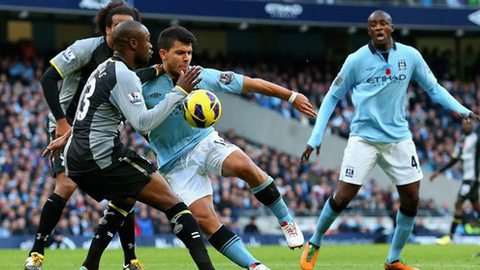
357 257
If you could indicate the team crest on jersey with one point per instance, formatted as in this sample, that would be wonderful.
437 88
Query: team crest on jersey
349 171
68 55
338 81
402 65
135 98
226 77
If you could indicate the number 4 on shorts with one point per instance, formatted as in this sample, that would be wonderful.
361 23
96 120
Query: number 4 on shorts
414 162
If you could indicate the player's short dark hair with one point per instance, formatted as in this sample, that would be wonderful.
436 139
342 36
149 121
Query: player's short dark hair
168 36
104 16
124 31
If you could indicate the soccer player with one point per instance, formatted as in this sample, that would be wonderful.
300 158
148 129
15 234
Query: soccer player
73 66
186 154
103 167
467 149
378 74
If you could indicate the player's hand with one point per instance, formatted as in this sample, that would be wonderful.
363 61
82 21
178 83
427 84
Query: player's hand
62 127
471 116
159 68
56 146
433 176
187 79
302 104
308 151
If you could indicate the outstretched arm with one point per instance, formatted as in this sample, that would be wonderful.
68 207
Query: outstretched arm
149 73
299 101
444 168
326 110
424 76
441 96
128 99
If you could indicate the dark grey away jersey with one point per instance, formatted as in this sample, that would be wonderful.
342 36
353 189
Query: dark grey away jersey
112 93
75 64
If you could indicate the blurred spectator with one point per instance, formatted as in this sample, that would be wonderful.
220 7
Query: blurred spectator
5 229
419 227
144 223
378 226
251 227
344 225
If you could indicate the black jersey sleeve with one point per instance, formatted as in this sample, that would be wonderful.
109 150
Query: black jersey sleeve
146 74
448 165
49 82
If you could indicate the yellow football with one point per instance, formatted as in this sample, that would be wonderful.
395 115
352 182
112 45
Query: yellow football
201 109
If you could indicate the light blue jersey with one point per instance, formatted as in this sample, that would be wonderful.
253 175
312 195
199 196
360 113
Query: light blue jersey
174 137
378 93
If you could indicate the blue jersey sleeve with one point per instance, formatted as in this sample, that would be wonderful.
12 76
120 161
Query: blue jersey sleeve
441 95
221 81
326 110
424 76
345 79
422 73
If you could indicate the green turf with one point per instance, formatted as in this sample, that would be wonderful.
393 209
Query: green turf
357 257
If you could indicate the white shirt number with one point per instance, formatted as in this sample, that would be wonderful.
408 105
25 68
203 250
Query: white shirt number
86 102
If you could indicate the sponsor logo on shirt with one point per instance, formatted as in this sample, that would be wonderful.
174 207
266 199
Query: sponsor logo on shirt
68 55
402 65
135 98
155 95
370 68
338 81
387 79
226 77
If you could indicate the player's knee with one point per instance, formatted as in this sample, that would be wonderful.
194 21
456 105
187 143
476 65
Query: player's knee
65 187
340 202
414 200
207 223
246 169
409 207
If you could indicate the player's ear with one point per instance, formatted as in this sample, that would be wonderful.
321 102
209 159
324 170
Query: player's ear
393 28
108 30
163 54
133 43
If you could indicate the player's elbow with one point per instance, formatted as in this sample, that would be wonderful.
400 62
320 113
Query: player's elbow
142 130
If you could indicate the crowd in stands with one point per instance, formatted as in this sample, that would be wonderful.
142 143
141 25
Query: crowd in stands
26 183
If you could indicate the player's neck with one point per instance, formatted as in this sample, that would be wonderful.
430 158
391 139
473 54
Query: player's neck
171 75
129 61
384 47
109 42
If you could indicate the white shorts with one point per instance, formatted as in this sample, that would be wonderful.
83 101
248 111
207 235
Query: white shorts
188 177
398 160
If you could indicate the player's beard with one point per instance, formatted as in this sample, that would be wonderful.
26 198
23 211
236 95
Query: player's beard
142 61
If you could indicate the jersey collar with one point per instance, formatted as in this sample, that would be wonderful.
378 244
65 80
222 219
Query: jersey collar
374 50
